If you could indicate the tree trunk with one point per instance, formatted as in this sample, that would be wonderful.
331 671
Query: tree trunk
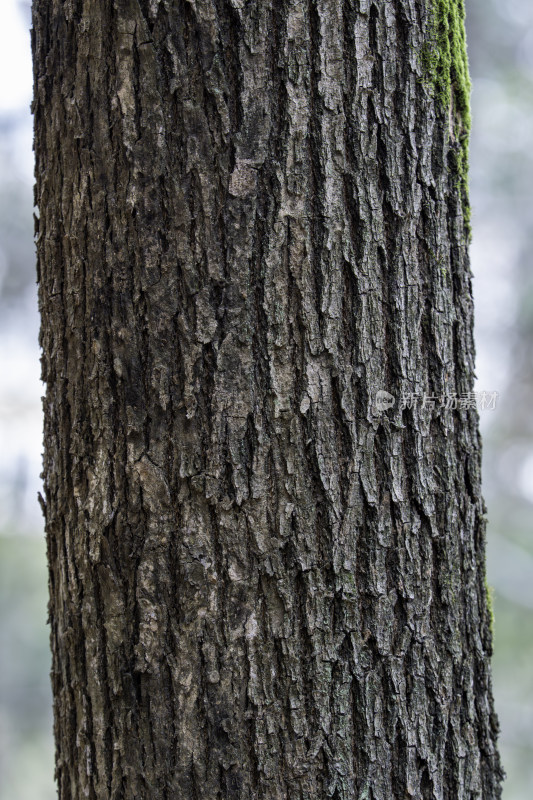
252 218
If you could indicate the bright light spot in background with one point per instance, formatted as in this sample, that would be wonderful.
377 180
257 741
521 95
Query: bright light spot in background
525 479
15 65
20 423
493 256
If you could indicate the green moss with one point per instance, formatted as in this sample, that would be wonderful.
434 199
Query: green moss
445 58
445 62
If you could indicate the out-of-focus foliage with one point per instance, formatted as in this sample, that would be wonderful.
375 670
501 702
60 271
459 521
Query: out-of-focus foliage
500 39
26 745
26 749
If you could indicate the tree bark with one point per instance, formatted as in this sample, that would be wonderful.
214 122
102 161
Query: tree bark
252 218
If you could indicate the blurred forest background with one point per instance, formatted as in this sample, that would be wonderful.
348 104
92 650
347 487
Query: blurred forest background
500 41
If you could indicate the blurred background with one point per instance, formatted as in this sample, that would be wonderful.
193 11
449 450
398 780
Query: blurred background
500 41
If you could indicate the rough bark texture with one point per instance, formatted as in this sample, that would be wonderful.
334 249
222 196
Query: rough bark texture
252 218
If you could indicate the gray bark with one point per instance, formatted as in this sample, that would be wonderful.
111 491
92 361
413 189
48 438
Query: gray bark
251 220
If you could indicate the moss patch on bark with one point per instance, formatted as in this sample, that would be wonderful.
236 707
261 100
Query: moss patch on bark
445 63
